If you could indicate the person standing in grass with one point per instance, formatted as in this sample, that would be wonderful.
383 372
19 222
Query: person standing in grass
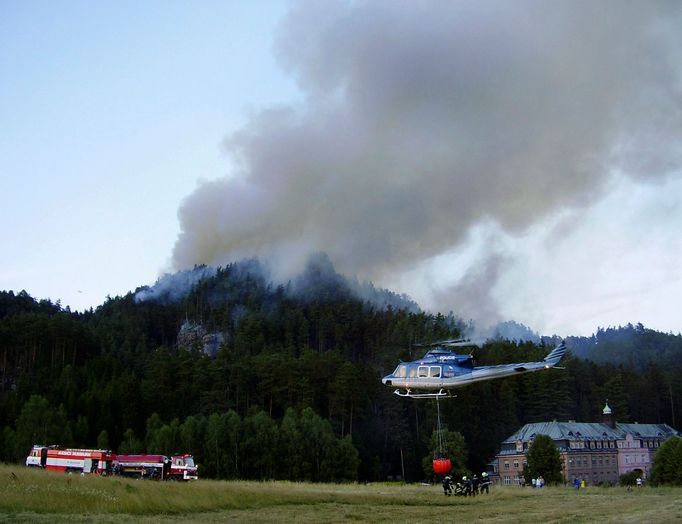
485 483
447 489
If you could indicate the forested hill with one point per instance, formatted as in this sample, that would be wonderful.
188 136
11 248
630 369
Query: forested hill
630 345
259 380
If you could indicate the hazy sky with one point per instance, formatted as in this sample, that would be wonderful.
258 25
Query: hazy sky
503 160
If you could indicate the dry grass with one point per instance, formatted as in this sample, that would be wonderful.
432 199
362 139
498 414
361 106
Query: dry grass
41 496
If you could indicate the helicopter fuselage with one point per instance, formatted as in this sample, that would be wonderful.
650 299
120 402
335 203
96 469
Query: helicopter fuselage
440 370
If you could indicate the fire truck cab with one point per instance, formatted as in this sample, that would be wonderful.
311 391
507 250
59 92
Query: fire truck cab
183 467
37 457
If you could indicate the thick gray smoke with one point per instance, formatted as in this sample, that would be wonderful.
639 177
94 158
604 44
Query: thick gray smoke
422 119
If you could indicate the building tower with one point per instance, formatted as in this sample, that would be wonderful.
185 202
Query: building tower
607 416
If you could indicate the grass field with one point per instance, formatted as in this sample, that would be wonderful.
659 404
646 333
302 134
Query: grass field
28 495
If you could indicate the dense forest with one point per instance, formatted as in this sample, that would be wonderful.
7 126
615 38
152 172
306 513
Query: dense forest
261 380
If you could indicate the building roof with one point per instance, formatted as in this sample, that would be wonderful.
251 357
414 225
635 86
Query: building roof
648 430
589 431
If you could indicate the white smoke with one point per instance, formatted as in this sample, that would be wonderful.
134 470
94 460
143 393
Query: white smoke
423 119
173 287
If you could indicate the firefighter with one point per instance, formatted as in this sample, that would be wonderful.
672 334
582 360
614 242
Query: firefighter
467 486
474 486
459 489
485 483
447 485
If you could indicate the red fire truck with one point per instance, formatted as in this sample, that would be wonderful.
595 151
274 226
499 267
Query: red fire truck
177 467
97 461
104 462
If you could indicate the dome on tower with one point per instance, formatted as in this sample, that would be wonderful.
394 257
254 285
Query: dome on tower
607 409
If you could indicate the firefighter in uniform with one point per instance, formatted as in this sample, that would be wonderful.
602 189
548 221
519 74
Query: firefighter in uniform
467 486
447 485
485 482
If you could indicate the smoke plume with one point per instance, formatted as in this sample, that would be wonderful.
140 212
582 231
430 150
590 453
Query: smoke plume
423 119
172 287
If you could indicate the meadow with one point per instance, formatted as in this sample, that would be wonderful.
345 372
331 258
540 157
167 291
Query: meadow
29 495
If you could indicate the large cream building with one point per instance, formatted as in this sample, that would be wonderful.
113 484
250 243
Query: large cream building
593 451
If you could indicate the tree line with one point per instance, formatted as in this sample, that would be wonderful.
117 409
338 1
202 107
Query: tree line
310 349
300 446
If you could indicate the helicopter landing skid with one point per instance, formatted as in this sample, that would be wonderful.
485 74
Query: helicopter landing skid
408 393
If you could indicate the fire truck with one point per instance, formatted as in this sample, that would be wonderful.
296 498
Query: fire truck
97 461
177 467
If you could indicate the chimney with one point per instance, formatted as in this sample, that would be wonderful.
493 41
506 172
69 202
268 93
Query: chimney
607 416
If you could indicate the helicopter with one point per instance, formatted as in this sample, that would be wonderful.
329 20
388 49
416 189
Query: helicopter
441 370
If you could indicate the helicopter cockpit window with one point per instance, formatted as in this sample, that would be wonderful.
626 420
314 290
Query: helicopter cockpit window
434 371
400 371
423 371
413 372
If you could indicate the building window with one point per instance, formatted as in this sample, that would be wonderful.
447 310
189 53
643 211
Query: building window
506 464
507 480
516 464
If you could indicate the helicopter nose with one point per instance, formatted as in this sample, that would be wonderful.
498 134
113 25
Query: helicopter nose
386 380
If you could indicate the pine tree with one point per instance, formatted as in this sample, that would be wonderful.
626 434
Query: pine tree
39 423
543 460
103 440
130 443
